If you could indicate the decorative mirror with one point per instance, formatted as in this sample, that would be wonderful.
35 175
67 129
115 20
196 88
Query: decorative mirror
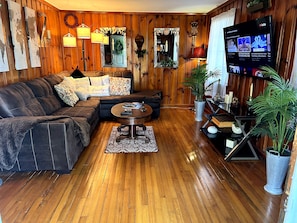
114 53
166 45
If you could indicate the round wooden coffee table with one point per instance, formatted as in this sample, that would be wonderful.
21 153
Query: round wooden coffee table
131 118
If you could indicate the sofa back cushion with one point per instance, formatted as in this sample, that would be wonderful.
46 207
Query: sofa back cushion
18 100
122 74
44 93
54 79
119 86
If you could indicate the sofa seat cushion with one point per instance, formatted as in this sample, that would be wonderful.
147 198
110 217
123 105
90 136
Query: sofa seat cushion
90 113
18 100
119 99
91 102
78 111
44 93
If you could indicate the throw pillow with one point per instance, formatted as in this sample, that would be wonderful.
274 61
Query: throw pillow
77 74
99 90
83 82
66 94
82 94
98 81
120 85
70 82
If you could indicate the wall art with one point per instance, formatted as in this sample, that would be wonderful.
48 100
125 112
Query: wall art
18 35
3 53
33 38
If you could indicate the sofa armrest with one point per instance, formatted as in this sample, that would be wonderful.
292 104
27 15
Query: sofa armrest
51 145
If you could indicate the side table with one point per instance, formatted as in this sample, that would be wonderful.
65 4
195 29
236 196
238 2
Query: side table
131 118
240 115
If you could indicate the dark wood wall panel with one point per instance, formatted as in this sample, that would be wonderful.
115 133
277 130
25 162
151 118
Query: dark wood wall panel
56 58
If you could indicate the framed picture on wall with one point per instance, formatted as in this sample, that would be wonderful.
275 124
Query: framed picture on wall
33 38
18 35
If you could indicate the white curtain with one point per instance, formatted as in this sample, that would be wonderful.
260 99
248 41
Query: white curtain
294 70
216 60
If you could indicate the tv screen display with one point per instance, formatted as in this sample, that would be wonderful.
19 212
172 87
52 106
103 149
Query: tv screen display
249 46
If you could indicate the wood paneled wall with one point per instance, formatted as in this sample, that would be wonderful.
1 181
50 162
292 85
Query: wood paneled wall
56 58
145 75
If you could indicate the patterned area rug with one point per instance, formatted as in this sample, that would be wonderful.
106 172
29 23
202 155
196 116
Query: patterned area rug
132 145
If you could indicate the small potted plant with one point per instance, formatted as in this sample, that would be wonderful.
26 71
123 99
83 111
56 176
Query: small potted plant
196 82
275 110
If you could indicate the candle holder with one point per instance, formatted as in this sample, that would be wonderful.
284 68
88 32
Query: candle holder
249 109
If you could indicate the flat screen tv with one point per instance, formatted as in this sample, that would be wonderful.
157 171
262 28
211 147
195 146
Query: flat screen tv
248 46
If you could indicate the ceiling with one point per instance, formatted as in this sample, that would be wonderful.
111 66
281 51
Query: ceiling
155 6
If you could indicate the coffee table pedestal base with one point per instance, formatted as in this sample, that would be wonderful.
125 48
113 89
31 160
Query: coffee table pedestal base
132 133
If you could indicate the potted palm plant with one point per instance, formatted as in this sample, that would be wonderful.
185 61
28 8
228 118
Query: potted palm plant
196 82
275 110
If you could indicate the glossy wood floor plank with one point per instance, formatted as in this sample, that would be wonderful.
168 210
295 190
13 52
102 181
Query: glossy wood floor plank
186 181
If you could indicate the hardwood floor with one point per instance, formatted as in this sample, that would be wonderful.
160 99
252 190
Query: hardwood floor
186 181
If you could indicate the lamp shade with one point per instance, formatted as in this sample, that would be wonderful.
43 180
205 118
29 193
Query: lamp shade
83 32
198 52
97 36
69 40
106 40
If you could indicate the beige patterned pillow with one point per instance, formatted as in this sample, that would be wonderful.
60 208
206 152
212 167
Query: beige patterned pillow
66 94
119 85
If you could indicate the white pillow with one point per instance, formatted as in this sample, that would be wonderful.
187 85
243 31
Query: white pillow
66 94
98 81
120 85
69 81
83 82
99 90
82 94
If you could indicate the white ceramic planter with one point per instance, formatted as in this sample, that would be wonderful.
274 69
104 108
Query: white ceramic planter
199 108
276 170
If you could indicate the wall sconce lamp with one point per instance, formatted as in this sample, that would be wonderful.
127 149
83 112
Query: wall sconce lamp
97 36
199 53
83 32
69 40
139 40
106 40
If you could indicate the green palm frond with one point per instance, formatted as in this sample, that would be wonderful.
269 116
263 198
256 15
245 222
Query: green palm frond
276 110
196 81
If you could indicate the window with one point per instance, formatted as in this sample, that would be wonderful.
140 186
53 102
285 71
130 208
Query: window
216 49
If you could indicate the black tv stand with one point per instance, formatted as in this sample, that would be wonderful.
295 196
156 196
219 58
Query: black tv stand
244 149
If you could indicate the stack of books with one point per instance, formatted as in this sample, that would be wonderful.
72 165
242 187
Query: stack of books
223 120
